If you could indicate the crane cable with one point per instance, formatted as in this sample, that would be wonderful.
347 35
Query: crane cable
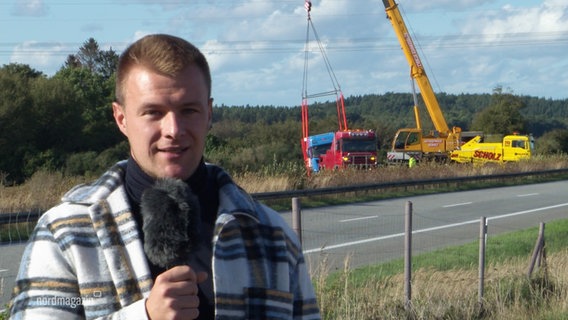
341 117
305 114
333 78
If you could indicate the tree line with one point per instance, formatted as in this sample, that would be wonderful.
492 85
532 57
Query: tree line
64 122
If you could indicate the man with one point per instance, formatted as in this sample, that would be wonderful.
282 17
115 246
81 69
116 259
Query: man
86 258
411 162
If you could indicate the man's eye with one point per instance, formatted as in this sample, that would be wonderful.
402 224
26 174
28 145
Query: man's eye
153 113
189 111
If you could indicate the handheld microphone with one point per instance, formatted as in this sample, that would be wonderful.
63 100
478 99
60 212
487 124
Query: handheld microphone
171 221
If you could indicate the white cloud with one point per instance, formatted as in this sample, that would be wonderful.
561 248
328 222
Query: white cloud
550 16
445 5
44 57
271 41
514 46
91 28
30 8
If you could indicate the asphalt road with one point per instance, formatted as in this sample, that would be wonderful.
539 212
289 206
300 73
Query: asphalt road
10 256
373 232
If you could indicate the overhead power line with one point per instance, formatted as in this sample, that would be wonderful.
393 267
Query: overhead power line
369 44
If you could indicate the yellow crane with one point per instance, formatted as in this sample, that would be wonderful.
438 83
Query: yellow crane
413 142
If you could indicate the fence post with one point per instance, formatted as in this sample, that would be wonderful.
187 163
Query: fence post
297 217
539 246
482 243
408 255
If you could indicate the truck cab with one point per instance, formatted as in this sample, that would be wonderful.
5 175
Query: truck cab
412 142
351 148
318 145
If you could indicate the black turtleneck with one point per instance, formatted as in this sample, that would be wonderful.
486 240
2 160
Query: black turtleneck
135 182
204 186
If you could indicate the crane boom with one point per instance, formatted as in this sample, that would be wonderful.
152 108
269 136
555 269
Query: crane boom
417 71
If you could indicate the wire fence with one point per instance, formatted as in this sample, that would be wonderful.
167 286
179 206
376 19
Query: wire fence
339 238
16 227
335 234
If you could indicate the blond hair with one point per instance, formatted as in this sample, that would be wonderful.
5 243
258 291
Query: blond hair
162 53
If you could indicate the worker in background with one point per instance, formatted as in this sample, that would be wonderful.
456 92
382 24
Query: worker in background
411 162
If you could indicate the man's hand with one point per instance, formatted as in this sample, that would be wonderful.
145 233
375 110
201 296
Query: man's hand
174 295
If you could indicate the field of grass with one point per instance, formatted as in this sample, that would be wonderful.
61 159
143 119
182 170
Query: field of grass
44 189
445 286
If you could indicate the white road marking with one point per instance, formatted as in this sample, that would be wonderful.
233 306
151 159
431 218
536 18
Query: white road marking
356 219
447 226
528 195
457 204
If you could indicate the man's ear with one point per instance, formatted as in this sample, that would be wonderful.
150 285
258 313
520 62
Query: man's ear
210 124
118 113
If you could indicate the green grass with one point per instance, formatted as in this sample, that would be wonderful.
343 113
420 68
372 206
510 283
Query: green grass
16 232
510 293
499 249
4 315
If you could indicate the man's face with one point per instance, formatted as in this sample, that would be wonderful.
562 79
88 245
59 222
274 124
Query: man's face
166 120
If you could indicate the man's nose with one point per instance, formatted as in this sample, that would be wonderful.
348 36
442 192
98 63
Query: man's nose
172 125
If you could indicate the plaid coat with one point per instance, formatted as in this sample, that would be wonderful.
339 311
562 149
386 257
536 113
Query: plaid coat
85 259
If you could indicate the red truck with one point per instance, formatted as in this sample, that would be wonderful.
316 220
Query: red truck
351 148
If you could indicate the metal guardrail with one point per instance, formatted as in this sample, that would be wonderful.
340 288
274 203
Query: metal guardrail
33 216
388 185
20 217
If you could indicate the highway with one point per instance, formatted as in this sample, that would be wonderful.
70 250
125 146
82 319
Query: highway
373 232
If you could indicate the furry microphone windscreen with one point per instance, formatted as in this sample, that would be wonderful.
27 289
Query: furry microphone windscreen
171 219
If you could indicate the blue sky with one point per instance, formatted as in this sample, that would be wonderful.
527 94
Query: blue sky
256 47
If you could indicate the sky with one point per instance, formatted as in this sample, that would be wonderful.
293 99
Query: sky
257 49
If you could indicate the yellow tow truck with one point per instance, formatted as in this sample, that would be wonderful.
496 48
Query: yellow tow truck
512 148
